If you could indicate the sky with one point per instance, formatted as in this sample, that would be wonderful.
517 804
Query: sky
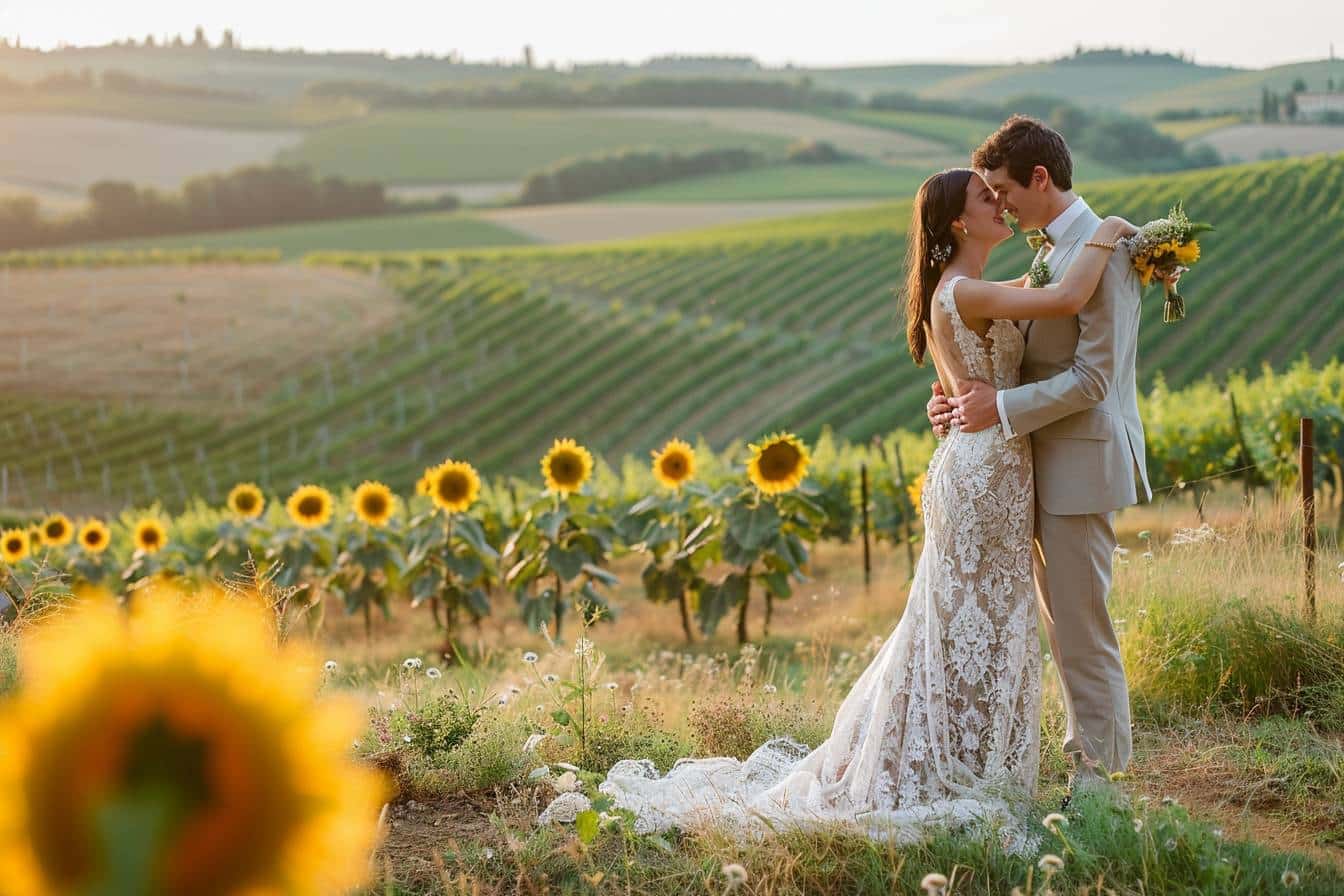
821 32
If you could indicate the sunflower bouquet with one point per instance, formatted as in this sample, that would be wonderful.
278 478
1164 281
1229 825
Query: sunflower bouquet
1162 250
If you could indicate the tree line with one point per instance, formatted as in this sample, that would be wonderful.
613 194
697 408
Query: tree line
250 196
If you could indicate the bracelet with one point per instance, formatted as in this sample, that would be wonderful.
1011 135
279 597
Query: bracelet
1100 245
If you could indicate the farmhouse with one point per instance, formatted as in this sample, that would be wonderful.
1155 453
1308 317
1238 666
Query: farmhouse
1316 106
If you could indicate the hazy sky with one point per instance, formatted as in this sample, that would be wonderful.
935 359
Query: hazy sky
819 32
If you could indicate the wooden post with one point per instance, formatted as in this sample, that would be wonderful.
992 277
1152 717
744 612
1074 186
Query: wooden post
1244 456
908 505
1306 463
863 501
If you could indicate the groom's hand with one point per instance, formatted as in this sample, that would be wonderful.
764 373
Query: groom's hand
976 407
939 411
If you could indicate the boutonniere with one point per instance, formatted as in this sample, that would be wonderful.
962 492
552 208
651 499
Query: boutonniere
1038 276
1038 238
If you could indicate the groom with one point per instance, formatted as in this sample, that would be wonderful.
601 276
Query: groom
1078 405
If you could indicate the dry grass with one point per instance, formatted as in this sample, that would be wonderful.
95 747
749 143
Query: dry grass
198 337
1249 142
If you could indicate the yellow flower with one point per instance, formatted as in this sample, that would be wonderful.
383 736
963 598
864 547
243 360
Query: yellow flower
778 463
150 535
309 506
675 464
1189 253
374 503
57 530
422 484
184 718
453 485
246 500
566 466
94 537
14 545
916 491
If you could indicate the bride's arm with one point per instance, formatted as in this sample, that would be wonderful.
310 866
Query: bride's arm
981 298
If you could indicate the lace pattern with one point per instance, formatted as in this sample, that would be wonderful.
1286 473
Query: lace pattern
942 727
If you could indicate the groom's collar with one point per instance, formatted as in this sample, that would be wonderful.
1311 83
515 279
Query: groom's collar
1056 229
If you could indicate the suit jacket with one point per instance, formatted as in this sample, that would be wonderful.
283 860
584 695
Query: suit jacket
1079 400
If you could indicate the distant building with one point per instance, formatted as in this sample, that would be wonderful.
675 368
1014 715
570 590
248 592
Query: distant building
1317 106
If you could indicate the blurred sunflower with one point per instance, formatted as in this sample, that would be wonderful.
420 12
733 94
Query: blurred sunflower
778 463
94 536
675 464
1189 253
453 485
566 466
57 530
422 484
246 500
150 535
309 506
374 503
915 491
14 545
178 751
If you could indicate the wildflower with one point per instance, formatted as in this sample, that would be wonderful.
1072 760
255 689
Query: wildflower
406 738
1289 878
550 678
1138 825
412 662
1170 844
433 672
769 689
529 657
734 874
329 666
1053 821
611 685
933 883
1050 863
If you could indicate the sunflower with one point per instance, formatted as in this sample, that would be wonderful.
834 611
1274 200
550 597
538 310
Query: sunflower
778 463
309 506
453 485
14 545
246 500
915 491
57 530
374 503
184 719
150 535
1189 253
94 536
566 466
675 464
422 484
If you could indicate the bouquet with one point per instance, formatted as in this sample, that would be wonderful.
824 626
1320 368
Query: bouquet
1163 249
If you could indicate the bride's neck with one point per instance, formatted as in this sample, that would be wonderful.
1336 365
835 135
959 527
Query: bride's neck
972 258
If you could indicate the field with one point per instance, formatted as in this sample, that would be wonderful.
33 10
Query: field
57 157
1239 90
1196 128
1248 142
857 180
740 329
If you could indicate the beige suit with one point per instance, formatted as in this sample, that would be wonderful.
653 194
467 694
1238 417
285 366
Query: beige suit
1079 405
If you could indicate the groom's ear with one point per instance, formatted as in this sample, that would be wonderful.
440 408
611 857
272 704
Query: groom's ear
1040 178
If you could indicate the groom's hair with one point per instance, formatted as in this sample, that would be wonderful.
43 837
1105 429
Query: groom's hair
1022 143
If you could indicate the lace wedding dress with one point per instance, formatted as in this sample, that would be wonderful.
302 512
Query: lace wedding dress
942 728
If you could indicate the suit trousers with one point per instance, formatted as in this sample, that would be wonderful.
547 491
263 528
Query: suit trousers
1072 563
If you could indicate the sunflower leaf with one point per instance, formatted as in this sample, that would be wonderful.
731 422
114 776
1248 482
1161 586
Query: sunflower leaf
753 527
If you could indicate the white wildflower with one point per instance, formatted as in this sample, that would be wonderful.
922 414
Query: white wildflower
529 657
550 678
412 662
1138 825
488 853
934 883
611 685
329 666
1170 844
769 688
734 874
433 672
406 738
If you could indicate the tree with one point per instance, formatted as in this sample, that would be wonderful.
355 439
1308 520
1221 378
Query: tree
1290 106
228 42
527 56
1299 86
1269 105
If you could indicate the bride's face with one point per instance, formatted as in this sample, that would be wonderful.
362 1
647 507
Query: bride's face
982 216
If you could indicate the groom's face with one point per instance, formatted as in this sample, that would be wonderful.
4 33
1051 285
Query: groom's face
1029 204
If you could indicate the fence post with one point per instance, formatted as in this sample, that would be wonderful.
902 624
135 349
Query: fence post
1306 464
907 505
1245 458
863 501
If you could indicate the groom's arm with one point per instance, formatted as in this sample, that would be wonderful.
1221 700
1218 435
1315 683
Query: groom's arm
1087 381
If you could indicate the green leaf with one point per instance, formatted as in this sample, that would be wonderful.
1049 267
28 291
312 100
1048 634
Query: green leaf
469 530
561 717
753 527
568 563
585 825
604 576
778 583
548 523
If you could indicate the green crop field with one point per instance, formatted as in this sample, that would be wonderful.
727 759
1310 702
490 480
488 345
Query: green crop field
718 334
431 230
859 180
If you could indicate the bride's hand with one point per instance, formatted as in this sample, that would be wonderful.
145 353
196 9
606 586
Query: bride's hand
1114 228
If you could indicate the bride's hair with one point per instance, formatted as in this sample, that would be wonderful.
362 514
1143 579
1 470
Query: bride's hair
929 247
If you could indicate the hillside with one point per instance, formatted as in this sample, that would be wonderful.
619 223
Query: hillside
723 334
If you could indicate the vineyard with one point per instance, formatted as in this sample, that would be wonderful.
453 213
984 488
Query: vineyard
719 336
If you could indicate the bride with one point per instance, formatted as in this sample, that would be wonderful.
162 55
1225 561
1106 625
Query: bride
942 728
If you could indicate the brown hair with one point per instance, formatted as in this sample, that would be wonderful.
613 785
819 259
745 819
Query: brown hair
1022 143
929 248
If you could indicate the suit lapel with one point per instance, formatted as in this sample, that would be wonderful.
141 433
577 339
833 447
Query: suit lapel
1061 254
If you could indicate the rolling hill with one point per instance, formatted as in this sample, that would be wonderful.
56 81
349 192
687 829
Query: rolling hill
725 334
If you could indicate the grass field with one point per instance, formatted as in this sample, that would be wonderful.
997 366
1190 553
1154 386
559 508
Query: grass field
465 145
1248 142
1194 129
1238 90
847 180
431 230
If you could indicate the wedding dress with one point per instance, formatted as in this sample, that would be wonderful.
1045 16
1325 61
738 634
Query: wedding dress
942 728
